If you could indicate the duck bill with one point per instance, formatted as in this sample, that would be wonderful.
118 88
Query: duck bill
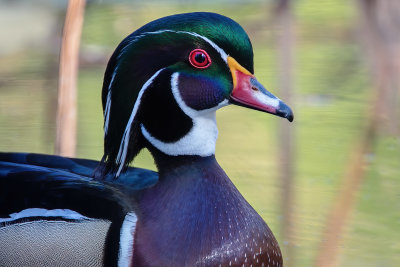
248 92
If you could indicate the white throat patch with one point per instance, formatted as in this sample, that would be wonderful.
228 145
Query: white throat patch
201 139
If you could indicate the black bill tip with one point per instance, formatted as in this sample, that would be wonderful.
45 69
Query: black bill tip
285 111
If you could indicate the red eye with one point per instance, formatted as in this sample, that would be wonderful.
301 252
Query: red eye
199 59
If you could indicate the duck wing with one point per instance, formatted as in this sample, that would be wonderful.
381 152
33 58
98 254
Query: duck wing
52 210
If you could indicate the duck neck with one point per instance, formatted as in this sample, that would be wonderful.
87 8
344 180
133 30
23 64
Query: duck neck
216 224
181 174
168 165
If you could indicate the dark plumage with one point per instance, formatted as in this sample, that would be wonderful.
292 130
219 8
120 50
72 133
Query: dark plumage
161 89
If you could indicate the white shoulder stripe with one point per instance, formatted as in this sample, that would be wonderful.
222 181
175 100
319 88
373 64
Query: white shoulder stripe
38 212
126 240
123 148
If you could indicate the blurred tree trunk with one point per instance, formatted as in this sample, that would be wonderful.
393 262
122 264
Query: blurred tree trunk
51 76
69 64
380 25
380 32
285 42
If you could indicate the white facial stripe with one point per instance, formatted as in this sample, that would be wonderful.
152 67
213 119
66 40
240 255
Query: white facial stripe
107 112
108 103
39 212
224 56
123 148
127 240
201 138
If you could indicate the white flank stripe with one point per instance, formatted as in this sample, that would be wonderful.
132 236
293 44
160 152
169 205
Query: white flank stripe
201 138
123 148
39 212
126 240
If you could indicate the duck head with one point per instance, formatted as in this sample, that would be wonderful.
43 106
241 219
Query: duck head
165 81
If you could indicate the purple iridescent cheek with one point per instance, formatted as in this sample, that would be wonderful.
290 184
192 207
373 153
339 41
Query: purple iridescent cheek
200 92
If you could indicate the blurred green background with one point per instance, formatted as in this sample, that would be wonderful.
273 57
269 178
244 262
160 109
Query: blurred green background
331 92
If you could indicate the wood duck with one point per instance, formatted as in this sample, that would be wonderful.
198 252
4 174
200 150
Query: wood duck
161 89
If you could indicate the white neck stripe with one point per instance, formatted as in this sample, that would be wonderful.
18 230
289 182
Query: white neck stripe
123 148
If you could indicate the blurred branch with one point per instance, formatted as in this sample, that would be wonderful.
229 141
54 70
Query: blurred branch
380 29
285 42
67 91
338 218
